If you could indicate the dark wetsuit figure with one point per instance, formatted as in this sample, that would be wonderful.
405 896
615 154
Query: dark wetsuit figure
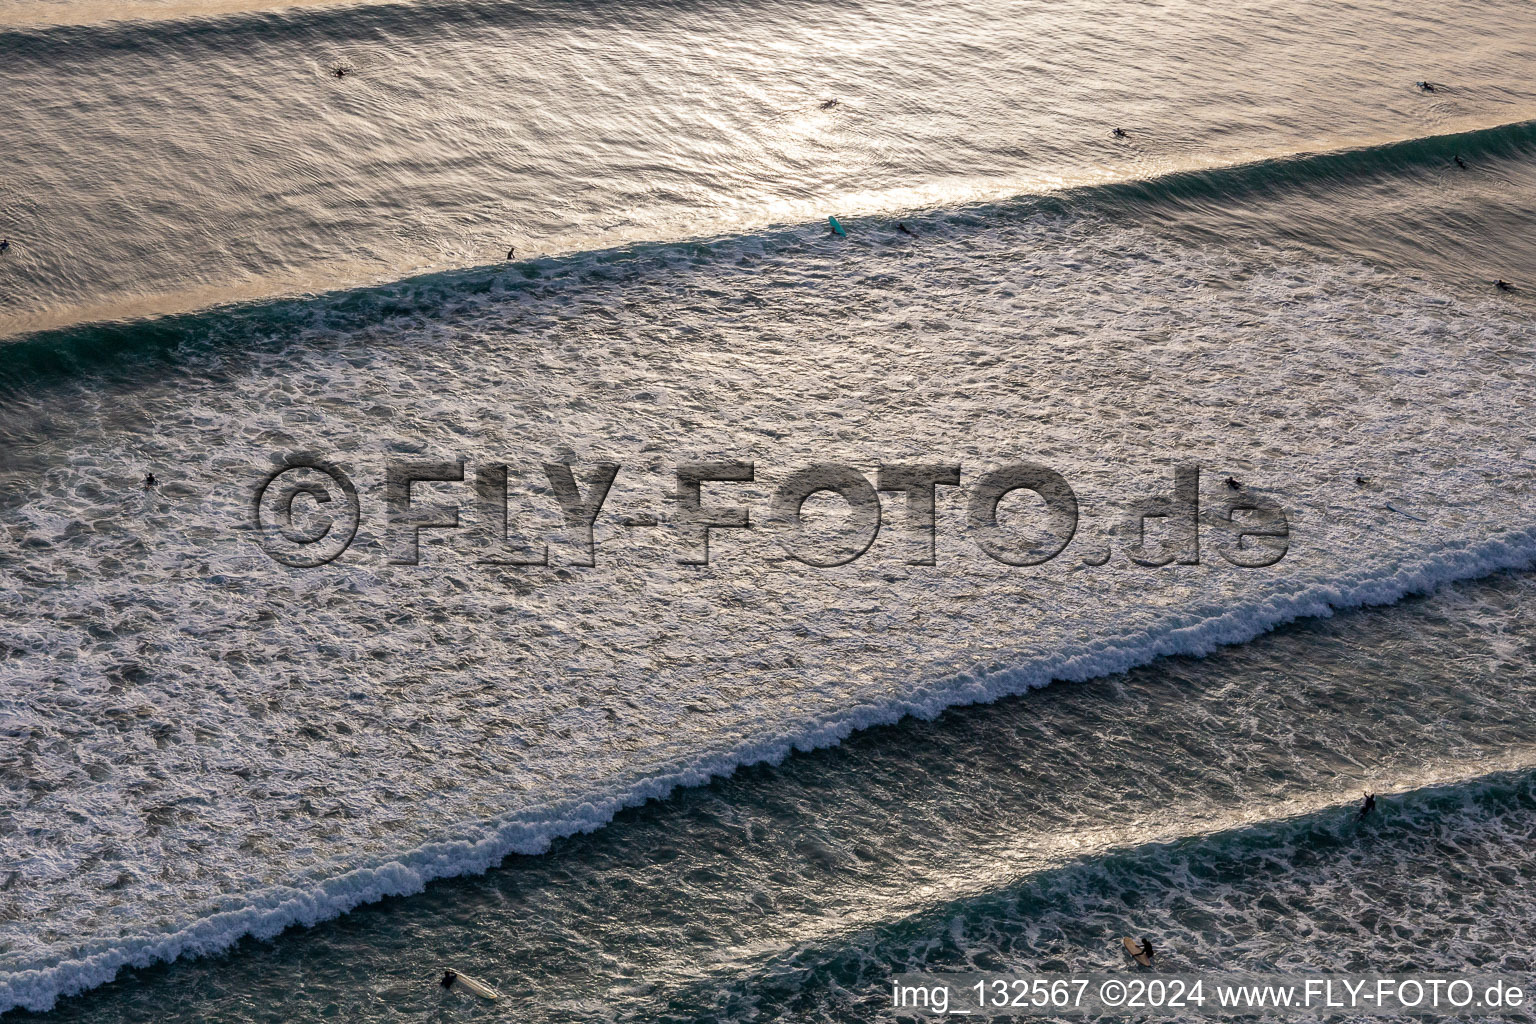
1369 805
1120 133
149 481
905 230
1503 285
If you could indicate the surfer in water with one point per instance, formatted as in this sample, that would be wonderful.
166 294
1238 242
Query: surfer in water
1460 162
1368 806
1425 86
829 104
1146 948
448 979
905 230
150 482
1233 485
1503 285
511 251
5 243
1361 481
1120 133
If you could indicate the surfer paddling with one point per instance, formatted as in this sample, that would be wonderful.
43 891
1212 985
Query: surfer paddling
1120 133
1503 285
452 979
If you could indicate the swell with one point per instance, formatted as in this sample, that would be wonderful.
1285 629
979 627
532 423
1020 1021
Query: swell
266 914
129 347
62 46
337 23
1074 908
1515 141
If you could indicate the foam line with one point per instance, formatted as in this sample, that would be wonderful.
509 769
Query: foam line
269 913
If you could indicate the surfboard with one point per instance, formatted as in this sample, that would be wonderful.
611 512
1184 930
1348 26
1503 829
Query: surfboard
476 986
1134 948
1393 508
836 226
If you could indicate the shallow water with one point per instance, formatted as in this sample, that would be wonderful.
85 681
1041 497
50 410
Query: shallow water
1285 279
1022 835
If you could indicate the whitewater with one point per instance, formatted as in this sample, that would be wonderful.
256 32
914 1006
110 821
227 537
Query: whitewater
252 746
753 789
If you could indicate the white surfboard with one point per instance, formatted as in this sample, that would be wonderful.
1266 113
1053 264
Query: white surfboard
1393 508
473 985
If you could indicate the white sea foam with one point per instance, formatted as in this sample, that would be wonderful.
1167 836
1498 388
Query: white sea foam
208 745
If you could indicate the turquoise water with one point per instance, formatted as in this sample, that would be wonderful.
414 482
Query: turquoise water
639 789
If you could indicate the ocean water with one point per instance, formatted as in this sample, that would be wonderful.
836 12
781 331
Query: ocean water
640 789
